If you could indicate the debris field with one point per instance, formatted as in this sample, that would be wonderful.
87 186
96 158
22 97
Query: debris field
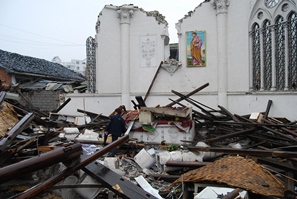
171 151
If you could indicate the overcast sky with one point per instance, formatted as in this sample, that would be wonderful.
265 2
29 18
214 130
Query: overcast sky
48 28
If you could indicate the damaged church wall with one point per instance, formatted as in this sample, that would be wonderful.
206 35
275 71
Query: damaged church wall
130 48
228 65
238 71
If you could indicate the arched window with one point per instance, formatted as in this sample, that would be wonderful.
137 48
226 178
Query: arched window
267 54
292 43
255 34
280 53
273 47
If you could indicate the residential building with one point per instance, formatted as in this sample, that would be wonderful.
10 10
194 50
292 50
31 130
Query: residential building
75 64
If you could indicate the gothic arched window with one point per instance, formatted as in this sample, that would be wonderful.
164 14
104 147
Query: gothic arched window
267 54
292 43
256 56
280 53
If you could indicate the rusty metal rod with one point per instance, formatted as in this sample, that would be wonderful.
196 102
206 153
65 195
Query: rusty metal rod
34 191
24 167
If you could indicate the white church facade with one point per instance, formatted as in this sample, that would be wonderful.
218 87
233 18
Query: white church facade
246 51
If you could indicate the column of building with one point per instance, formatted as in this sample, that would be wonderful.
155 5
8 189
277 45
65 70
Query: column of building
125 13
221 7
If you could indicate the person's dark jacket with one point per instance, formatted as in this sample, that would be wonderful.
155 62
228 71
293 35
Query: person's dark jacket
116 125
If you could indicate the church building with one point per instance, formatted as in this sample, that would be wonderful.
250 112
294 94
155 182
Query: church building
246 51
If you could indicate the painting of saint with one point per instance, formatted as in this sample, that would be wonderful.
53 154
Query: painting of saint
196 48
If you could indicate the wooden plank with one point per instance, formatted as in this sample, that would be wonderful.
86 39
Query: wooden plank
152 83
189 94
168 111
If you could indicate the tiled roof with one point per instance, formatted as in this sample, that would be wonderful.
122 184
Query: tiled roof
20 64
237 171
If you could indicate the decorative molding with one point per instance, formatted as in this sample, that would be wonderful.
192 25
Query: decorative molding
125 13
221 6
171 66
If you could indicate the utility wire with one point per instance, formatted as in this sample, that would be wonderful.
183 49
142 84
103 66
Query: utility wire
38 34
40 43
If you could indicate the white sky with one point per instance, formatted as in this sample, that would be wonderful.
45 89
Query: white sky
48 28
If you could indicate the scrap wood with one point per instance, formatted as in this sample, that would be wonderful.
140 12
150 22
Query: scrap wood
24 167
154 79
189 94
196 105
236 171
280 164
8 118
16 129
289 138
39 188
122 187
250 152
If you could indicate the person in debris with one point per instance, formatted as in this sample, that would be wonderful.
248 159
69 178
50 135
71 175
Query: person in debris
196 44
116 126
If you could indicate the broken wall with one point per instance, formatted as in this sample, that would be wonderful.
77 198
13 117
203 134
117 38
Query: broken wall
5 78
228 68
44 100
130 48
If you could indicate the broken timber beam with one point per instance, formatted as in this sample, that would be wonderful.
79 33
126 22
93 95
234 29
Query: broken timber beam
218 138
250 152
282 128
115 182
233 194
37 189
16 129
189 94
151 85
194 164
24 167
200 115
228 113
193 103
2 96
62 106
267 109
269 129
277 164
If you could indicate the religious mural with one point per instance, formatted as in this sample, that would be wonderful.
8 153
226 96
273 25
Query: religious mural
196 51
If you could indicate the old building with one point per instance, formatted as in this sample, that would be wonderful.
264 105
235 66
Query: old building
75 64
38 80
247 54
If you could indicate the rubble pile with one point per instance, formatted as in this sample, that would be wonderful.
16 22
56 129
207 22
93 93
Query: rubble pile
171 151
